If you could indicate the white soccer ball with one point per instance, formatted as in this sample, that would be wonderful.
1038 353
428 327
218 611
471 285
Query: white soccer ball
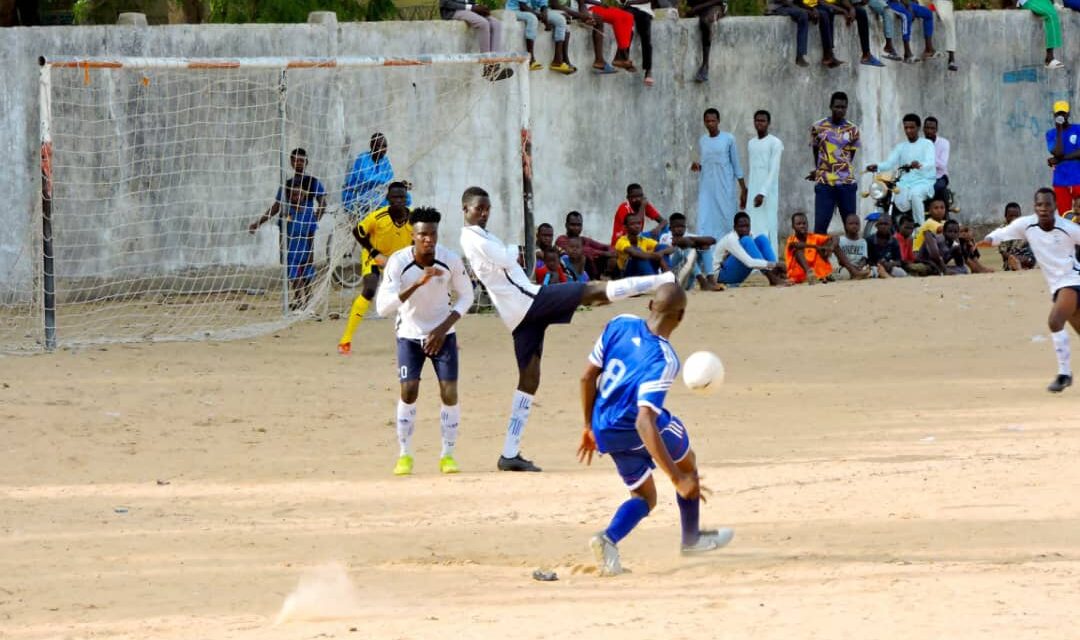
703 372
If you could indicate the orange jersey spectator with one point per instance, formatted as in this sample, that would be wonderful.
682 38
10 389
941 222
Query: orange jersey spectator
802 252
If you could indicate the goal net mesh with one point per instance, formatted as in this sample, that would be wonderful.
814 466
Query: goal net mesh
157 172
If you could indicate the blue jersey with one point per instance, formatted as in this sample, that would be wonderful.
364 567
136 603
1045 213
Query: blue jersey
638 369
1067 172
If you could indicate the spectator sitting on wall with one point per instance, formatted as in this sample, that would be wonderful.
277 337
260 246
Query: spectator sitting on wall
944 10
622 24
531 13
802 16
488 31
884 255
691 259
807 254
908 11
888 27
597 254
855 13
707 13
1046 10
636 202
643 16
745 253
639 255
1016 255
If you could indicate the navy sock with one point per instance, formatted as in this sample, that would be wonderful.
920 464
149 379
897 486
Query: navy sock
690 513
630 513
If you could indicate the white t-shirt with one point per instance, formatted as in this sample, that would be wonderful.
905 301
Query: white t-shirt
730 244
429 305
1054 250
857 251
497 267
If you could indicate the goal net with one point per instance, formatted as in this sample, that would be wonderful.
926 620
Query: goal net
155 169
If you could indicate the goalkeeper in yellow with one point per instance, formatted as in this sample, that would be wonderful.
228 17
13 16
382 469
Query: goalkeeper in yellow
380 233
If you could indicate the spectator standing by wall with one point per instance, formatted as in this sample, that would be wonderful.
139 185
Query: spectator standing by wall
942 148
1046 10
763 155
1063 143
720 170
834 141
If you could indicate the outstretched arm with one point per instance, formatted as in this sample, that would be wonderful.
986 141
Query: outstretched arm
272 211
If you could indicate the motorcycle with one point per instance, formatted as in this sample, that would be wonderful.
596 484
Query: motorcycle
883 187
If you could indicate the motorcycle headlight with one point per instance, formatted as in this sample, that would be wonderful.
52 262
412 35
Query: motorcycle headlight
877 191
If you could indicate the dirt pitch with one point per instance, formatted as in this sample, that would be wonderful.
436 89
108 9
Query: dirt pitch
885 451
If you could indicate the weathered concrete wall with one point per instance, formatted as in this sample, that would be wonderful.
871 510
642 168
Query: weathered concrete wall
592 135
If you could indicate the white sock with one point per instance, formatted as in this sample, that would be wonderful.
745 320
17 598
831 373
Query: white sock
519 415
406 419
627 287
450 417
1061 350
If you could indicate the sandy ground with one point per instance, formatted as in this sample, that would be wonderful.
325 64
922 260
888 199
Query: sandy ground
885 451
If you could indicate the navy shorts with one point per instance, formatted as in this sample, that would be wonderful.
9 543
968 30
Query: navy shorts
636 465
1075 288
553 304
411 356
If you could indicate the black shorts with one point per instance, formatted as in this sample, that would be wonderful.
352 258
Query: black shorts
553 304
1075 288
411 356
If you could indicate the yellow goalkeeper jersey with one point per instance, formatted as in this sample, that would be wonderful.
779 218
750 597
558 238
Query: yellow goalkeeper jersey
383 234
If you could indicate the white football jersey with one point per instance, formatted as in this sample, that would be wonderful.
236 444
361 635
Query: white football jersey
1055 250
496 264
429 305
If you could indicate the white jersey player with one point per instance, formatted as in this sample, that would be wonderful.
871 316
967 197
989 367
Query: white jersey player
528 309
1053 240
418 283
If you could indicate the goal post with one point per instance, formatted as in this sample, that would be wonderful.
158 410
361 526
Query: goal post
153 169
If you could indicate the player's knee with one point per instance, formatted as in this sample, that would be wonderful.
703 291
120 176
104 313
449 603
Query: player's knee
448 393
369 294
410 390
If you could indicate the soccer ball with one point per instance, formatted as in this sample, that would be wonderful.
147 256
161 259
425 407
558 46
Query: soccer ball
703 372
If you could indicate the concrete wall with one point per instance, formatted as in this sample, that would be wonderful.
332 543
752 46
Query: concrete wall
592 135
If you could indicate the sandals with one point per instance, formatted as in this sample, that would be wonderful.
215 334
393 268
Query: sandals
604 70
1055 64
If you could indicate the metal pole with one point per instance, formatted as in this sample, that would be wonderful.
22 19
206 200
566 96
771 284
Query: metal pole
49 272
527 170
283 224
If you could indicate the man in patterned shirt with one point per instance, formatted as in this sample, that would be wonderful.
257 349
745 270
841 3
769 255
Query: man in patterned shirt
834 141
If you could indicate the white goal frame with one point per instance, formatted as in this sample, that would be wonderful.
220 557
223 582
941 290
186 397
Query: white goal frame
46 284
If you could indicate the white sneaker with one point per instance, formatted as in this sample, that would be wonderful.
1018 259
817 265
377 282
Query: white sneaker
709 540
1055 64
607 555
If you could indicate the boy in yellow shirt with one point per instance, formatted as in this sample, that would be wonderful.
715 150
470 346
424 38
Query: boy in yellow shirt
637 255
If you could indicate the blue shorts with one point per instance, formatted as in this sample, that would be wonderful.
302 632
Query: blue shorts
411 356
636 465
299 256
553 304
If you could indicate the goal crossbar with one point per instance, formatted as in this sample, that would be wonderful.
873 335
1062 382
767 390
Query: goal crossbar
279 62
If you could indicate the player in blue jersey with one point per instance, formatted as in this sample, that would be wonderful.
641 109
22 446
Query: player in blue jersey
623 388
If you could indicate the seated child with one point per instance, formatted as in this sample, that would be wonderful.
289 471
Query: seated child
852 257
935 218
550 269
970 251
883 251
636 254
907 248
1016 255
942 251
692 255
574 261
807 254
745 253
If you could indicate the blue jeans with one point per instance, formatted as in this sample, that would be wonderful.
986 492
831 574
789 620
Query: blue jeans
827 199
908 16
734 272
639 267
703 265
802 22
